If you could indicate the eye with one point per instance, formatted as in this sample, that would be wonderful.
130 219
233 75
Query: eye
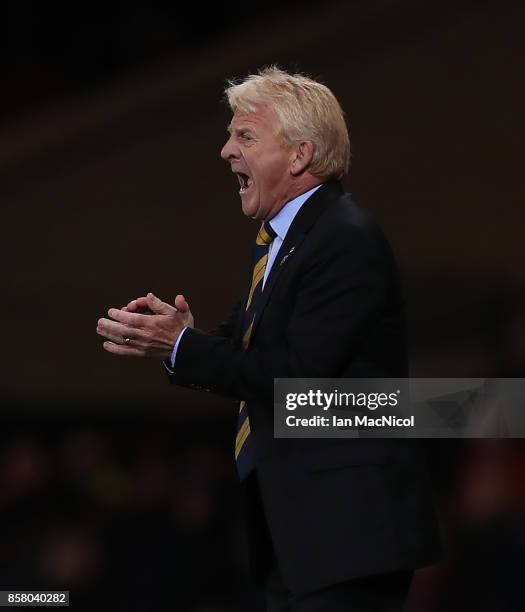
246 136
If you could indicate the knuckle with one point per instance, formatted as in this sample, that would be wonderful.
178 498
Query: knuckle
145 333
131 320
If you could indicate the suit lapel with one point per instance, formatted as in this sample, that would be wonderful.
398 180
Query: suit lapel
293 239
297 232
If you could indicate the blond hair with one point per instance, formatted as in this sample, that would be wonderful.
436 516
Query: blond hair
307 110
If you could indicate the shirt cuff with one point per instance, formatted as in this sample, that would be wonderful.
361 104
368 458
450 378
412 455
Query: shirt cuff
170 363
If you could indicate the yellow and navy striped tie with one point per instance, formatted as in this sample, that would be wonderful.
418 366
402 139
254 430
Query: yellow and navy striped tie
243 444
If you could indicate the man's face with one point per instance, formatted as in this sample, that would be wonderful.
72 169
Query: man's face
261 160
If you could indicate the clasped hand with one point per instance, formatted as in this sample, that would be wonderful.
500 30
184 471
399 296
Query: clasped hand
146 327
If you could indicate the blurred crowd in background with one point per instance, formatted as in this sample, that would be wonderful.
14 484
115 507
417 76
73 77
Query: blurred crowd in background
126 515
138 517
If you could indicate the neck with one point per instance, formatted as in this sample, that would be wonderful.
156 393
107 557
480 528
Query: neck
298 188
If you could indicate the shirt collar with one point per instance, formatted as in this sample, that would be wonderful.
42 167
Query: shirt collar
283 219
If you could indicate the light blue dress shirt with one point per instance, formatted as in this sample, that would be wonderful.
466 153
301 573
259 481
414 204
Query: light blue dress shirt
280 224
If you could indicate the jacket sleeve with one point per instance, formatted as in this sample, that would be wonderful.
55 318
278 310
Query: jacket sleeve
226 329
340 296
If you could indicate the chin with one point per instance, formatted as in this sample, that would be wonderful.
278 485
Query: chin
250 209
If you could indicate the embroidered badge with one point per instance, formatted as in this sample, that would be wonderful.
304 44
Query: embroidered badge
286 256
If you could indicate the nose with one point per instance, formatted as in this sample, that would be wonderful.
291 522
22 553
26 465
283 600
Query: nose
229 151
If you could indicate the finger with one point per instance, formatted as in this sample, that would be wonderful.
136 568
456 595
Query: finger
181 304
130 306
123 349
131 319
136 304
157 305
107 335
116 332
140 306
142 302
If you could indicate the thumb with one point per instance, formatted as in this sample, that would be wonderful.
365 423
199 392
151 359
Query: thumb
181 304
156 305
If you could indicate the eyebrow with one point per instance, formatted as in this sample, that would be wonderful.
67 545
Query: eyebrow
240 130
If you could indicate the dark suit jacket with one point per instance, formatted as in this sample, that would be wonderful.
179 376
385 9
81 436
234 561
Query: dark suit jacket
336 509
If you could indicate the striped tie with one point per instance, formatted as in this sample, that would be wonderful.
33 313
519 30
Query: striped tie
243 443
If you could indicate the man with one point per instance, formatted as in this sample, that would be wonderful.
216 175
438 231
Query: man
333 524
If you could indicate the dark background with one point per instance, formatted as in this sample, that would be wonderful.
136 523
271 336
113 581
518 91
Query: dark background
113 483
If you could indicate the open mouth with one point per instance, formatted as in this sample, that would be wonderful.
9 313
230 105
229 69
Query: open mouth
245 182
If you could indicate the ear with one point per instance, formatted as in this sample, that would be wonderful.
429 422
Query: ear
301 157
